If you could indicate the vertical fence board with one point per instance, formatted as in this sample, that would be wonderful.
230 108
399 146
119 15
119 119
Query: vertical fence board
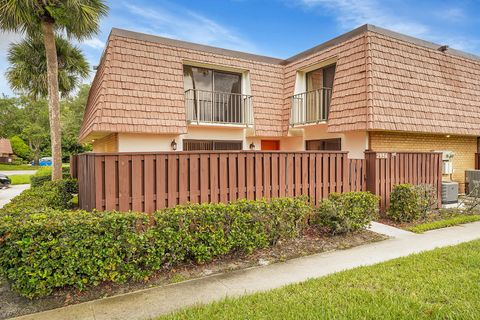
124 183
258 176
137 182
223 178
232 176
204 178
194 177
149 183
109 175
275 182
250 176
183 179
161 181
172 169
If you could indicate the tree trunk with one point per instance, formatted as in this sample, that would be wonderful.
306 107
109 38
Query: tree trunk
53 98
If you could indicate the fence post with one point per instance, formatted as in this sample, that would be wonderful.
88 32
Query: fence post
74 166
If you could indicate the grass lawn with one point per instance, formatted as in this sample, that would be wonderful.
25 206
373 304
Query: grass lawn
439 284
20 178
6 167
447 222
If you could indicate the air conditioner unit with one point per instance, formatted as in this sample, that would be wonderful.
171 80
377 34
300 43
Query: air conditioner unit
449 192
470 177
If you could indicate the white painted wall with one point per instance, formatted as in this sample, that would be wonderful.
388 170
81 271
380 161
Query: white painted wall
355 142
135 142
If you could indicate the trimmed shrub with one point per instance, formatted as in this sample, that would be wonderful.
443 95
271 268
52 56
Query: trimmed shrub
51 249
49 195
44 174
346 212
38 181
409 203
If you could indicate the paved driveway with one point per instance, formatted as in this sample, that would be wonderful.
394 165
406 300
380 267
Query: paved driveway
7 194
15 172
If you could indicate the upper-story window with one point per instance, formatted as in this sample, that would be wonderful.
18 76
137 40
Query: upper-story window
321 78
313 105
198 78
215 96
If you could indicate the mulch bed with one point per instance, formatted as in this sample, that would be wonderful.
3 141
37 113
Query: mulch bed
311 242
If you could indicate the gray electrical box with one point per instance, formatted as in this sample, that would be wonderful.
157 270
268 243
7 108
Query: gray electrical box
449 192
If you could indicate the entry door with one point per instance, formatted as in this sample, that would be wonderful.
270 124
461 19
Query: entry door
270 145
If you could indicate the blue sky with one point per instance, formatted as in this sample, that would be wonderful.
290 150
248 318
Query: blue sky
280 28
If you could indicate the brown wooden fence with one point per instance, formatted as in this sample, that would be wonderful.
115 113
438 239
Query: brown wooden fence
387 169
150 181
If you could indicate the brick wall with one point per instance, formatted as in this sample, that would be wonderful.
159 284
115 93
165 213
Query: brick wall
464 147
106 144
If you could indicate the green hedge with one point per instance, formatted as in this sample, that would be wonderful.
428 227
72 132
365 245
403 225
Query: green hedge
346 212
44 174
52 249
50 195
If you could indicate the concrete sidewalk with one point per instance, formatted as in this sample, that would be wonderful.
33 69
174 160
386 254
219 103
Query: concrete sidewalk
150 303
17 172
7 194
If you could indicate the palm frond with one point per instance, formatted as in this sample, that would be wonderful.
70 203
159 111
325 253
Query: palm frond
28 67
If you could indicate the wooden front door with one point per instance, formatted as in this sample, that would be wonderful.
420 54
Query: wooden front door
270 145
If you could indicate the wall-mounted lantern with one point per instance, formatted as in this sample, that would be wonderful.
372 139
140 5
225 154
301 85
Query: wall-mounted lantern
173 145
252 146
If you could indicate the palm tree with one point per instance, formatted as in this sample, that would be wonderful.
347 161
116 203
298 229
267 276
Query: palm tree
28 67
76 18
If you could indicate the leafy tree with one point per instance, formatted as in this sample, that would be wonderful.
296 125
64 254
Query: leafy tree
10 112
76 18
20 148
36 126
72 116
28 67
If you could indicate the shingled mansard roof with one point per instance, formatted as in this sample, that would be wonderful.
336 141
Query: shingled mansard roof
384 81
5 146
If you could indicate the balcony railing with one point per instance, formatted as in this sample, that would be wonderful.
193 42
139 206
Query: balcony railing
218 107
310 107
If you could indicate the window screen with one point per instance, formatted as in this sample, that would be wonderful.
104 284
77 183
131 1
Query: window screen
198 145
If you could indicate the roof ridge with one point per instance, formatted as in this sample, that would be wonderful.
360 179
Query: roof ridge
272 60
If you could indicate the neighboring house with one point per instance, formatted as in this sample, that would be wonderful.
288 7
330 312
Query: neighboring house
6 152
369 89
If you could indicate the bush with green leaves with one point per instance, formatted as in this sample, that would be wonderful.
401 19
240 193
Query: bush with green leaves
44 174
50 195
411 202
53 248
346 212
428 200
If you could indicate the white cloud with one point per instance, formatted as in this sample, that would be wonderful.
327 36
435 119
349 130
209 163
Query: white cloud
94 43
353 13
451 14
6 38
186 25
